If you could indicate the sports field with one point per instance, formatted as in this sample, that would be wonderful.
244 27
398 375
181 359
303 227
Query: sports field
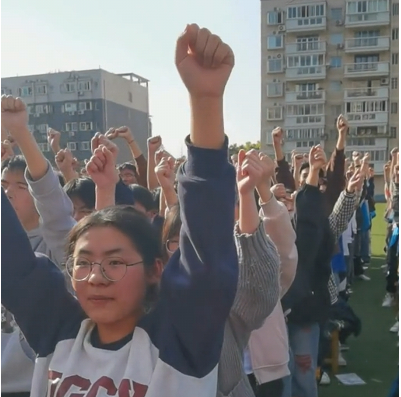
374 354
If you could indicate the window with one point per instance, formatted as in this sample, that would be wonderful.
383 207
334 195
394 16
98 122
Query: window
274 89
309 43
72 146
335 85
336 38
71 126
394 58
275 65
130 96
69 107
394 34
304 133
25 92
307 144
335 62
308 14
305 60
86 126
274 42
365 107
299 110
44 147
336 14
41 109
85 106
394 107
85 146
274 18
394 83
393 130
70 87
275 113
6 91
395 8
362 131
42 128
41 89
366 6
361 142
84 86
306 87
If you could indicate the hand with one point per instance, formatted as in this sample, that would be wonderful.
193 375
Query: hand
342 125
298 161
386 167
65 161
317 158
278 191
204 62
122 132
165 172
100 139
277 135
394 152
154 144
53 138
14 117
356 156
249 171
355 182
366 158
7 151
268 167
102 168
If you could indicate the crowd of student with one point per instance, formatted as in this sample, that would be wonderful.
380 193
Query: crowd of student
193 277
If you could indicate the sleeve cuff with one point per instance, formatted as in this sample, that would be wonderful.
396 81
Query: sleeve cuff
44 185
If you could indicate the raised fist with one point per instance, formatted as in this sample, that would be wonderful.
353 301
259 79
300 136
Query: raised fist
154 143
249 171
65 161
122 132
317 157
355 182
277 135
6 150
268 166
53 138
100 139
278 191
14 117
342 125
102 168
165 171
203 61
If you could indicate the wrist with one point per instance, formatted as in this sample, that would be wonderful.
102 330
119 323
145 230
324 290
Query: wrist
22 136
247 195
264 192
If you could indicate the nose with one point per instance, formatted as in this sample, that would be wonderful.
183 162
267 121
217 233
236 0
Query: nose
9 192
96 277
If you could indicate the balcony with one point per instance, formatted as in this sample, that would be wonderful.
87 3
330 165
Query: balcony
367 19
368 69
366 93
307 96
367 118
367 44
306 73
368 132
310 24
317 120
314 47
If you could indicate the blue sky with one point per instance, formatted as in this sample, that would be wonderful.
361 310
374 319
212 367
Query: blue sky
139 36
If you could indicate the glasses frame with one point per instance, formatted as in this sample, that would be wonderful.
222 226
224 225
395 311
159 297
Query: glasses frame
71 258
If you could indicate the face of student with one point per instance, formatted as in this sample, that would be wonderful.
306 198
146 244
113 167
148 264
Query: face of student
109 303
128 177
16 189
139 207
80 210
302 177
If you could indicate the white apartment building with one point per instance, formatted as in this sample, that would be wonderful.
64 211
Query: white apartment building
323 58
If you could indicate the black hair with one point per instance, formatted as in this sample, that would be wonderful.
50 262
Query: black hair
144 197
84 189
60 177
136 227
127 166
16 163
307 165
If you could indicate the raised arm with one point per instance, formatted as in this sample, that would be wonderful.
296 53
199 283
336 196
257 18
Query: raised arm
199 282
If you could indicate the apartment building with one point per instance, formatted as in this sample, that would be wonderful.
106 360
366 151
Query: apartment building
320 59
80 103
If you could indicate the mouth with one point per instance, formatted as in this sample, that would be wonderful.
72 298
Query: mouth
99 299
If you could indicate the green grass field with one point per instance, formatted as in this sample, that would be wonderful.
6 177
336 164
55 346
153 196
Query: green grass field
374 354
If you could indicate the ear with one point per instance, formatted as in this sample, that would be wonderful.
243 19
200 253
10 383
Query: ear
154 274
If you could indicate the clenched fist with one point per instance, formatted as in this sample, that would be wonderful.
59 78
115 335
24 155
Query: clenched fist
204 62
14 117
317 157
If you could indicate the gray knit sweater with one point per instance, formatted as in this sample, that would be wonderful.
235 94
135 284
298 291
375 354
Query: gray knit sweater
258 292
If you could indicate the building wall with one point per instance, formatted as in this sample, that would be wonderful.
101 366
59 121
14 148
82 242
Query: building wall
340 85
78 104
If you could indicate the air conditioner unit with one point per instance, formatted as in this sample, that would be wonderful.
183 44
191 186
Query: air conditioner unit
384 81
339 22
71 133
340 46
81 111
281 28
71 113
80 93
36 115
269 57
278 56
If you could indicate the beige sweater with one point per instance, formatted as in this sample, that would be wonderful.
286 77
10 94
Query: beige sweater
268 345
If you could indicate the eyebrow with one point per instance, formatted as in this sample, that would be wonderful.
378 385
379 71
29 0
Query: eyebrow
106 253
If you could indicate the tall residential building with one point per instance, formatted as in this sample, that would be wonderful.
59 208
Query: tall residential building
80 103
323 58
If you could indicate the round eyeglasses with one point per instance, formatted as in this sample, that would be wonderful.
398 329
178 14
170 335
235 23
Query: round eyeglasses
113 269
172 245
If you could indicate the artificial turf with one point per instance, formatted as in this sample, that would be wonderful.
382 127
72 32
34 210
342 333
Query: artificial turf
374 354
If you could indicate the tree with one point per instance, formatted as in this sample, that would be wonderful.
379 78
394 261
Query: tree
234 148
